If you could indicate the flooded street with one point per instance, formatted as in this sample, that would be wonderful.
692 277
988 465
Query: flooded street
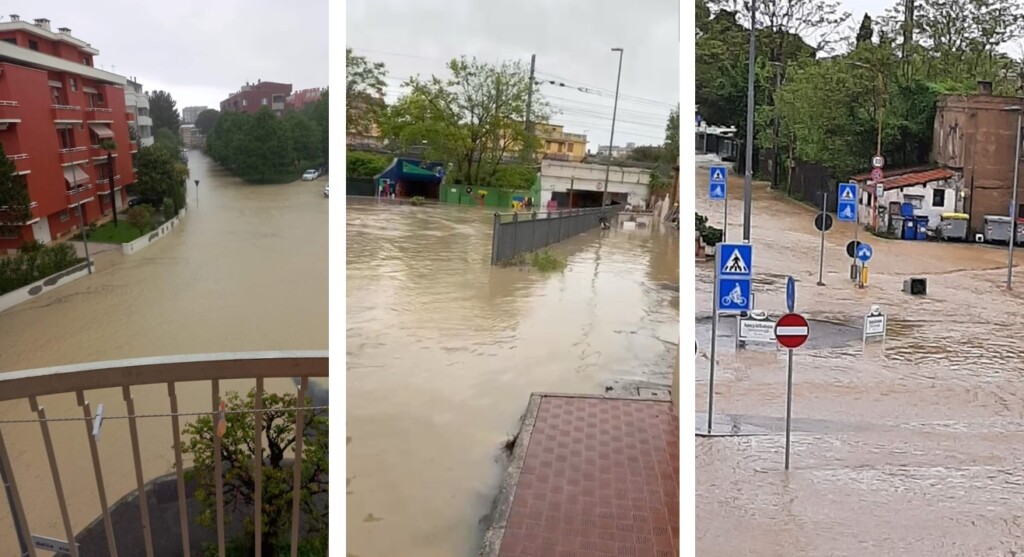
444 351
245 271
911 449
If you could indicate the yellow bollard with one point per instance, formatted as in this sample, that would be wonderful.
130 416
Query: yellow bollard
864 276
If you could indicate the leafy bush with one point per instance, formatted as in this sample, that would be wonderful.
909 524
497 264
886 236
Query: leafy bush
141 217
168 210
37 263
548 262
710 235
365 165
418 200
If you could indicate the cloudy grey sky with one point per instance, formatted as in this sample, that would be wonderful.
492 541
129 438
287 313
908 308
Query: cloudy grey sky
571 38
198 50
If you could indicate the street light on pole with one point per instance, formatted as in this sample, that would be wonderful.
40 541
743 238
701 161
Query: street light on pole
197 193
81 218
748 175
611 140
1013 199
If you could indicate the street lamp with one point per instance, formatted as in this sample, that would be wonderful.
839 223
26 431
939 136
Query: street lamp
197 193
611 140
1013 199
81 218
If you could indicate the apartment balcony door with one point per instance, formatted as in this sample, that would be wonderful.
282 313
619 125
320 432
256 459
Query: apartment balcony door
41 230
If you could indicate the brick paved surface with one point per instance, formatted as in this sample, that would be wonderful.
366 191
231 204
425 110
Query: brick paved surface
601 477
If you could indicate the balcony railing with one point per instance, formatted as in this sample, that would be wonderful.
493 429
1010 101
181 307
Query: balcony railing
65 113
74 155
172 371
104 115
133 146
21 163
98 152
10 110
129 115
82 192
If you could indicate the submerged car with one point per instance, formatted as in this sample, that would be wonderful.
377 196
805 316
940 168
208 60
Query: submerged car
327 190
311 174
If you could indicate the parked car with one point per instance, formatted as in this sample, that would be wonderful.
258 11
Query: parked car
327 190
311 174
154 203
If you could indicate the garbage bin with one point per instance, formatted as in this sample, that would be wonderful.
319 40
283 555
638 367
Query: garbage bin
896 221
909 229
953 226
997 228
922 226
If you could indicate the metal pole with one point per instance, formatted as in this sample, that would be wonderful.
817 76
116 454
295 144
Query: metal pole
1013 206
789 403
821 254
529 95
22 544
856 242
81 218
725 225
714 335
748 175
611 140
197 193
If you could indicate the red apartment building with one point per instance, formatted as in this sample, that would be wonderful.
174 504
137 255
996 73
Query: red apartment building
55 110
299 99
254 96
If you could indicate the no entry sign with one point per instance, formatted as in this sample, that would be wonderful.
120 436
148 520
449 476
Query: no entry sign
791 330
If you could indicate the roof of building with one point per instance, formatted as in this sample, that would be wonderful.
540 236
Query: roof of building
917 178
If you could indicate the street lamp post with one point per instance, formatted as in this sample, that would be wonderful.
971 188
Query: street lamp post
611 140
748 175
197 193
1013 199
81 219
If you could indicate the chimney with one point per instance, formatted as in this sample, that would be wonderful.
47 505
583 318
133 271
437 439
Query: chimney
984 88
43 23
15 17
65 30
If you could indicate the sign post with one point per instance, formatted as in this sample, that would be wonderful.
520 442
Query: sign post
846 210
791 331
875 324
718 190
731 292
825 225
864 253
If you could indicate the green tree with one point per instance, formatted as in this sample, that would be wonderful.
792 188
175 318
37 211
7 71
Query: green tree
15 204
319 113
672 137
237 452
206 120
304 139
163 109
365 165
514 177
866 32
167 141
364 88
266 155
140 217
473 119
160 176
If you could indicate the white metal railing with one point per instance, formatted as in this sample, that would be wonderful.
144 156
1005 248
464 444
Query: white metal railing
18 157
8 103
71 150
65 107
98 109
170 371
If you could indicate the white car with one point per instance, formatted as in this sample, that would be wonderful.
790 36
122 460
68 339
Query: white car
311 174
327 190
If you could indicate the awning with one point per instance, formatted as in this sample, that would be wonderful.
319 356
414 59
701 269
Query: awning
75 175
414 170
90 90
102 130
56 84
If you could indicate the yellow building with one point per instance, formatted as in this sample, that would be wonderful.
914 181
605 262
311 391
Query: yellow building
558 144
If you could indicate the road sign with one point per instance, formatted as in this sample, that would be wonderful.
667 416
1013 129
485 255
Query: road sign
846 209
874 325
878 161
864 252
757 330
877 175
823 222
791 330
790 294
735 260
851 248
51 544
717 187
879 192
734 294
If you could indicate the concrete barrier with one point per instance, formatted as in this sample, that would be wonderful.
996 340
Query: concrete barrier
146 239
26 293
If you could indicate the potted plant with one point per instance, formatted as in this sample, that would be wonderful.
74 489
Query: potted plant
709 235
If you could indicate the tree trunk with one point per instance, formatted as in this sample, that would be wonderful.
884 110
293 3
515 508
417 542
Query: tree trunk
113 194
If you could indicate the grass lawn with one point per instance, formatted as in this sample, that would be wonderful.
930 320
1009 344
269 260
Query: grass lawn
107 234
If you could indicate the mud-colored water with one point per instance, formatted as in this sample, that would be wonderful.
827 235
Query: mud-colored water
245 271
914 448
444 350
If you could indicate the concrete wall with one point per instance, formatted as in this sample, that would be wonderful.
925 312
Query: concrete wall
24 294
147 239
976 135
556 176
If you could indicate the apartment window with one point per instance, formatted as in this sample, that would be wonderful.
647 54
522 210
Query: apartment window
85 61
916 201
263 101
561 146
245 102
10 234
66 137
938 197
99 98
10 41
33 45
64 216
568 147
55 95
74 84
78 210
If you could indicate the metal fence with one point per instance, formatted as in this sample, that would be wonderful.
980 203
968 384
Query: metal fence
516 233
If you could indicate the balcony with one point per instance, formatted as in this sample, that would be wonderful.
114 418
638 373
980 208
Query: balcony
99 115
65 114
10 112
103 186
133 146
85 192
73 155
142 399
98 152
21 164
129 115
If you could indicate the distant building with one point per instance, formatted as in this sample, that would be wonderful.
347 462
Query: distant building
560 145
581 184
186 131
299 99
190 113
56 111
254 96
137 103
616 151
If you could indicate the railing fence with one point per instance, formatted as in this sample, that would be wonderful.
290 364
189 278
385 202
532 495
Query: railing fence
515 234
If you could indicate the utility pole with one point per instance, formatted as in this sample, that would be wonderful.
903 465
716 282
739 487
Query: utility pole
611 140
748 175
529 96
81 218
113 196
1013 200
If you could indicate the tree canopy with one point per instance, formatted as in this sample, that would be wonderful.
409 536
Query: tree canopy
161 176
364 89
15 203
206 120
163 109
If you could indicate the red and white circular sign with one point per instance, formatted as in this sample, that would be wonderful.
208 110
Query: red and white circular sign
791 330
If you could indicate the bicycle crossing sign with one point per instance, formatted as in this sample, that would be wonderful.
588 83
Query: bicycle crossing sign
717 183
735 272
846 209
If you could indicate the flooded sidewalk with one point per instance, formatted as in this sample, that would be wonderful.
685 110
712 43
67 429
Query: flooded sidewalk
589 476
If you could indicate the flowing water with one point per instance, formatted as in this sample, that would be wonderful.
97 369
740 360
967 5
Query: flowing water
911 448
245 271
444 351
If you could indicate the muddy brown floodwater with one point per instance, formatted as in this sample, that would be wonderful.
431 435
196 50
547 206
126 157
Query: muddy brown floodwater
245 271
444 350
914 449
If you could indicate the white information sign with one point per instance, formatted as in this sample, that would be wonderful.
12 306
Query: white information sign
757 330
874 325
51 544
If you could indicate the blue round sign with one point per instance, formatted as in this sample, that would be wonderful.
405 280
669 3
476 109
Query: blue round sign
864 252
790 294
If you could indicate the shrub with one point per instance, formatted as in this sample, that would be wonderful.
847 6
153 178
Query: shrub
546 261
168 210
35 264
141 217
419 200
710 235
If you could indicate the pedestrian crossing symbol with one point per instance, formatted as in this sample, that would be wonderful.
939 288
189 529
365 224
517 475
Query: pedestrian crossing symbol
716 184
735 260
735 264
846 209
847 195
717 175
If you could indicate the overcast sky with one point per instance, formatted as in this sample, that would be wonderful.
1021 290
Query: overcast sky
199 50
571 38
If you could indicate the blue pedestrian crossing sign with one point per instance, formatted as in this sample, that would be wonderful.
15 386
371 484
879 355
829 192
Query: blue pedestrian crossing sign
864 252
735 273
717 183
846 209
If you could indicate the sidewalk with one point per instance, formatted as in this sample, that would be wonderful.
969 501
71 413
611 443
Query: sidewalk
590 476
